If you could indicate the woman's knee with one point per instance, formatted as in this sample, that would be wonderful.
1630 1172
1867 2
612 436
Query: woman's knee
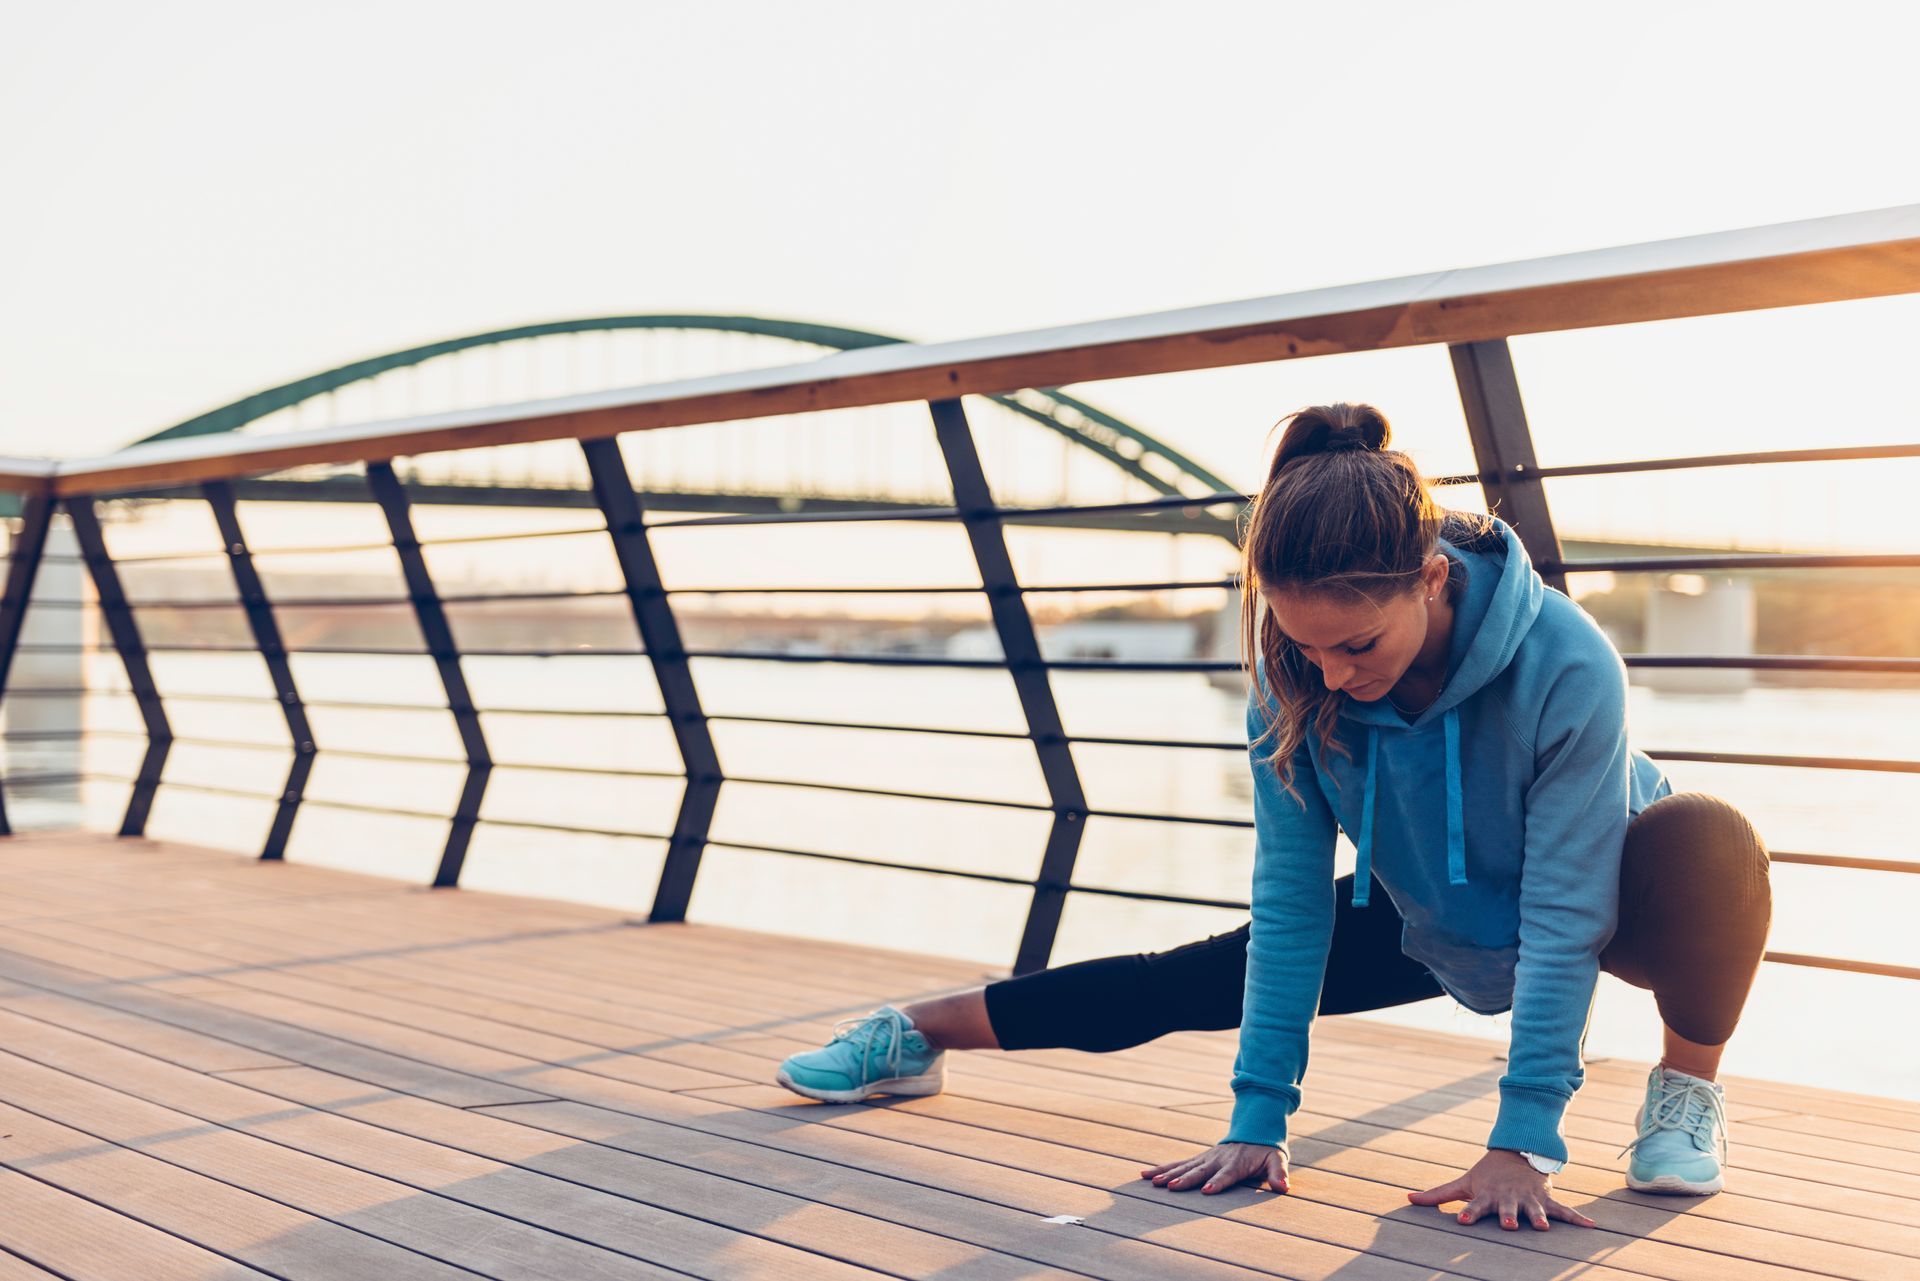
1692 842
1695 909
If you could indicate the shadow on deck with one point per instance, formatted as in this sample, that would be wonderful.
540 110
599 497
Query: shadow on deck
216 1067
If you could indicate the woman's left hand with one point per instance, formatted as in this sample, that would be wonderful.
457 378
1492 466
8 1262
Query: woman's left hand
1503 1180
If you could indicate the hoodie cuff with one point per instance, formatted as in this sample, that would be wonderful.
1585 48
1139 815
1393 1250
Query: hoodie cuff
1260 1116
1529 1121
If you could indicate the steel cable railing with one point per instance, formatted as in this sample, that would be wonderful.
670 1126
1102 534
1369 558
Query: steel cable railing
1778 760
1747 662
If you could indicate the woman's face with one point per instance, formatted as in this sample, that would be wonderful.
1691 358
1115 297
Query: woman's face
1360 647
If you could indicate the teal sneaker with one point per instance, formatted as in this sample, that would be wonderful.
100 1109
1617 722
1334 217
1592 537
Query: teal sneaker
878 1054
1683 1136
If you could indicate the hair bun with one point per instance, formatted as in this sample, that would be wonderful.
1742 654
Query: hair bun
1331 429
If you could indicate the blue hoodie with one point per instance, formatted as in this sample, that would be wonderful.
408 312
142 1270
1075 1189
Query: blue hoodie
1495 820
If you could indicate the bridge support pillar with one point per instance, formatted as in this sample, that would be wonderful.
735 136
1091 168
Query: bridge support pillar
1692 614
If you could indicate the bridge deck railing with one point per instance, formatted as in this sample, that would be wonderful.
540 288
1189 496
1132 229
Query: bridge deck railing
1471 312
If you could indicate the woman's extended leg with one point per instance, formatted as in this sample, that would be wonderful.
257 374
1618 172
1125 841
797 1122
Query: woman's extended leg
1118 1001
1121 1001
1695 906
1106 1004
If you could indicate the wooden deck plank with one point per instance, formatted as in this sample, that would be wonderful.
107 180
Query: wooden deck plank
576 1080
15 1268
1377 1160
1639 1239
486 1033
1026 1112
215 1215
859 1235
134 1032
819 1203
444 1038
493 1217
242 1101
766 1182
384 1060
404 1214
708 1059
281 1040
85 1241
1324 1171
1120 1223
756 1065
1115 1257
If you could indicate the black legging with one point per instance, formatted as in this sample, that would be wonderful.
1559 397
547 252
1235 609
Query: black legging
1695 904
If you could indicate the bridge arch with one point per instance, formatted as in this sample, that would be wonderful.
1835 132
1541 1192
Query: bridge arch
1151 461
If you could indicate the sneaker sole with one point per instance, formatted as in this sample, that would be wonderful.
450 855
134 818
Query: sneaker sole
926 1083
1674 1185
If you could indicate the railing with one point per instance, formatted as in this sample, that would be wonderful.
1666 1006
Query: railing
1471 312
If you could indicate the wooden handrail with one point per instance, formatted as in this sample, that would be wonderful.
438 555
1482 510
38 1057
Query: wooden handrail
27 475
1862 255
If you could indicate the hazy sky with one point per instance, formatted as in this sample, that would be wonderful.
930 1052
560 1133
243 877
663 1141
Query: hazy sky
206 198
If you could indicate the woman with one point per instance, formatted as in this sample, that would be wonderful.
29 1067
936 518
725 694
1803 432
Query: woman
1417 685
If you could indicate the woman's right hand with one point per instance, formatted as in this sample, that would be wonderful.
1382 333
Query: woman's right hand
1224 1166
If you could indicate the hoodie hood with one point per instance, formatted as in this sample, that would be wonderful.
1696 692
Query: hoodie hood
1502 599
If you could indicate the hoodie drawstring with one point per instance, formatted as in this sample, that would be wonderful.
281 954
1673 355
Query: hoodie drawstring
1456 812
1363 867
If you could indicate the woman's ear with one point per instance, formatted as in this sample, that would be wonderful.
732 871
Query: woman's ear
1434 574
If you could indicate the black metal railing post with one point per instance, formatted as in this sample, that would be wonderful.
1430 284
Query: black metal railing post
1021 649
660 637
266 636
1503 447
434 630
117 613
23 563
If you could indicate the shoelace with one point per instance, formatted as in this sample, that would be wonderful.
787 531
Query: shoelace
870 1025
1688 1108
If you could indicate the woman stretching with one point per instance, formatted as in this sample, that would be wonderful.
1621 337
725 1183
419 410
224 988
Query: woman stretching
1418 686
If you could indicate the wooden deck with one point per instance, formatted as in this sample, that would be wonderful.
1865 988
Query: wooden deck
218 1068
